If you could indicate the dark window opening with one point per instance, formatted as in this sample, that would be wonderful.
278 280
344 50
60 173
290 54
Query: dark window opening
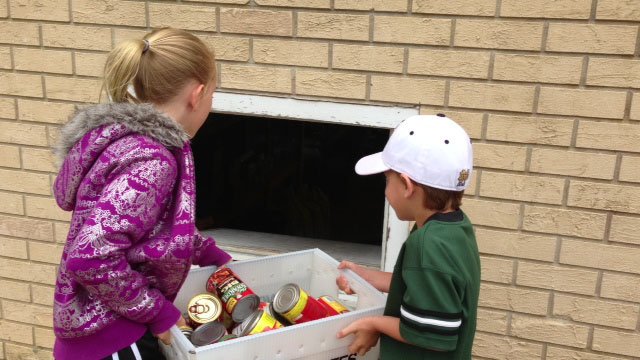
288 177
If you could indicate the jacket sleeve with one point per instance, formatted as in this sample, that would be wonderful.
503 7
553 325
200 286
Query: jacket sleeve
206 252
136 193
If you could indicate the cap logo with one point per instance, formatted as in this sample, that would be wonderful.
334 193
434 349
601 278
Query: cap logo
463 177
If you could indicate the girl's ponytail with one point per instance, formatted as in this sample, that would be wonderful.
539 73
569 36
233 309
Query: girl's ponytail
121 69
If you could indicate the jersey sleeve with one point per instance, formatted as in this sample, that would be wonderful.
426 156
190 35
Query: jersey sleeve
431 309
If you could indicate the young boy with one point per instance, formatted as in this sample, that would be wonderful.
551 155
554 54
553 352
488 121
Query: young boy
433 292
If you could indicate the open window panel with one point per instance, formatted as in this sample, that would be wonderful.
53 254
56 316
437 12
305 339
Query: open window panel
274 179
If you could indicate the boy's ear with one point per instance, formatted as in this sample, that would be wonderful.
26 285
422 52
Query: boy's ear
196 95
409 186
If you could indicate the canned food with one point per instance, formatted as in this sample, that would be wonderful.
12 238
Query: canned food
268 307
259 321
204 308
295 305
238 299
208 333
332 305
186 330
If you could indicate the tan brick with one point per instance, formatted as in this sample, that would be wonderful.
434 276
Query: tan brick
53 132
558 9
44 337
371 5
33 314
620 287
536 68
608 136
21 352
549 330
228 48
26 228
38 159
554 353
625 229
21 84
589 103
112 12
333 26
492 321
492 213
188 17
54 10
5 57
473 184
455 7
9 156
15 332
47 253
14 290
522 187
73 89
411 30
496 270
24 182
491 96
61 231
614 72
470 121
241 2
44 111
530 130
322 83
14 248
516 245
557 278
21 133
513 299
596 312
618 10
616 342
259 22
42 294
600 256
19 33
300 53
573 163
493 34
505 348
90 64
11 203
28 271
368 58
7 108
635 107
464 64
499 156
604 196
121 35
51 61
77 37
3 14
45 208
564 222
323 4
407 90
630 169
257 78
590 38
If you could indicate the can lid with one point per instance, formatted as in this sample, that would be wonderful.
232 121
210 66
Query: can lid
286 298
204 308
245 307
208 333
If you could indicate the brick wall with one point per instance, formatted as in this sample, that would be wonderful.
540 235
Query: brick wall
548 90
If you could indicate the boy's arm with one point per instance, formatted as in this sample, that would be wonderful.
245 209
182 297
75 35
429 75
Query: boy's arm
378 279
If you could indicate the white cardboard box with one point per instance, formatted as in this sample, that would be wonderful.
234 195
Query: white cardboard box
314 271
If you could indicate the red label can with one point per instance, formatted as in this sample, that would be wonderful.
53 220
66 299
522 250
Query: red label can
295 305
332 305
238 299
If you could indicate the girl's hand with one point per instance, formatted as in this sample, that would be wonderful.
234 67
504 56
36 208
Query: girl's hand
366 336
165 337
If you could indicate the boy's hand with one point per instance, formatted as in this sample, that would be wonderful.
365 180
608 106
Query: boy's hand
341 281
366 336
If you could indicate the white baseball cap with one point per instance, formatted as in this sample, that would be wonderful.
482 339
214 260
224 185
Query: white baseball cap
431 149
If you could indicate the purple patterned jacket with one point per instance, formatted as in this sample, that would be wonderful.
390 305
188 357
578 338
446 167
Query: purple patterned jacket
128 176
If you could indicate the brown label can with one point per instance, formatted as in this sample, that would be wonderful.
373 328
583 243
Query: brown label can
208 333
204 308
332 305
259 321
295 305
238 299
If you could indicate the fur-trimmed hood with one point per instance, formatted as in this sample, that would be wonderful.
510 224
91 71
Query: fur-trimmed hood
143 119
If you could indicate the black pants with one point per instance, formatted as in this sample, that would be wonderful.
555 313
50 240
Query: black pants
146 348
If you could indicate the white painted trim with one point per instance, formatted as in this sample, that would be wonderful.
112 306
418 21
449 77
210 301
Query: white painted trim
308 110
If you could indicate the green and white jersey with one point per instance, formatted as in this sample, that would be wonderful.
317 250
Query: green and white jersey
434 291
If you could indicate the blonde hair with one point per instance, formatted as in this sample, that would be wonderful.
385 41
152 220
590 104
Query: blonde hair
157 66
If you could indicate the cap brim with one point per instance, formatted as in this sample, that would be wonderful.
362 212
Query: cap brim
371 164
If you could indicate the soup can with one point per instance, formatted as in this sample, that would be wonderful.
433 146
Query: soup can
332 305
295 305
268 308
238 299
259 321
203 308
186 330
208 333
